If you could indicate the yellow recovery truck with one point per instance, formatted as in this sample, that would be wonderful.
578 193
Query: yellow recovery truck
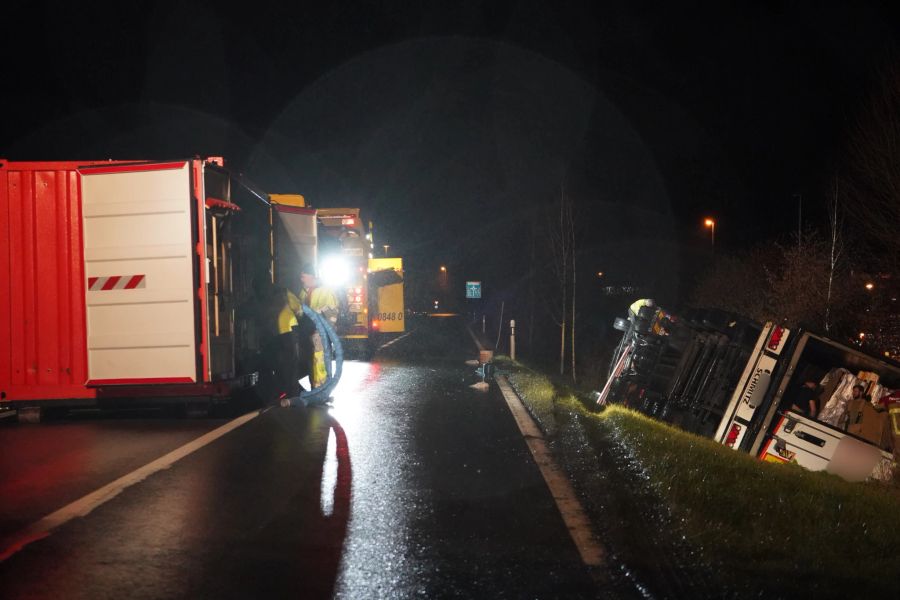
369 290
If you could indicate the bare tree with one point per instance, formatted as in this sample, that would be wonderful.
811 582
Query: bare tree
835 246
797 284
576 232
806 285
873 173
560 241
573 242
737 284
531 292
572 319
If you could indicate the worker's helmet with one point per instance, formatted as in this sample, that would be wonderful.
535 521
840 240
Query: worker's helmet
308 269
650 302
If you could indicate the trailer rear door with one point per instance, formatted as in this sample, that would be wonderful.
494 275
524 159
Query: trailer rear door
296 242
753 386
139 264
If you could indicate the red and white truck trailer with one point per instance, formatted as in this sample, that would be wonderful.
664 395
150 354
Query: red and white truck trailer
123 281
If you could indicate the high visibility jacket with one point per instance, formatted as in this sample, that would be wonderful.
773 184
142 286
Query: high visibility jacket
322 300
287 317
637 305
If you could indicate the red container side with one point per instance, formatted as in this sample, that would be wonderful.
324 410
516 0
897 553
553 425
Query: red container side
42 296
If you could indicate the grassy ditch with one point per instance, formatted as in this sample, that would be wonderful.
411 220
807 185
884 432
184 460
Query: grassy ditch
793 532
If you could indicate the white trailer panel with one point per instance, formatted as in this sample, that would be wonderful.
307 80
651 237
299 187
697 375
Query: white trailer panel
137 229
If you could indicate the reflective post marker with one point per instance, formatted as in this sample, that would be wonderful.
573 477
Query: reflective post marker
512 339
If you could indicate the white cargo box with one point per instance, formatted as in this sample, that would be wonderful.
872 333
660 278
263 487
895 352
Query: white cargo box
819 447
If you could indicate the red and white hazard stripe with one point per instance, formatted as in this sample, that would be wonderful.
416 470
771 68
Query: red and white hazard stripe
116 282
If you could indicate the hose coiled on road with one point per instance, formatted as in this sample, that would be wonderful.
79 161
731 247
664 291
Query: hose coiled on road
331 344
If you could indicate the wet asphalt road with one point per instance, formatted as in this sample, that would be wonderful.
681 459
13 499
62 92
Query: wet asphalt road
410 485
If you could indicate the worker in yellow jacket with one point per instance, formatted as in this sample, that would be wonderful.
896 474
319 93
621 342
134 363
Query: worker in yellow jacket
636 306
287 357
323 301
287 316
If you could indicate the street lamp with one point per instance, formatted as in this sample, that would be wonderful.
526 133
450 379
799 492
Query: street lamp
869 286
443 277
599 273
712 225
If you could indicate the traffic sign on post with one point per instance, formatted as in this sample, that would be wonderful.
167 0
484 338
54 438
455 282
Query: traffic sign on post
473 289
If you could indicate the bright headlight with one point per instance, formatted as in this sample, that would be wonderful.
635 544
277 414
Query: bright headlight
334 271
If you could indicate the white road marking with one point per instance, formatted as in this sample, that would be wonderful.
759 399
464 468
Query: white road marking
83 506
576 520
592 552
395 340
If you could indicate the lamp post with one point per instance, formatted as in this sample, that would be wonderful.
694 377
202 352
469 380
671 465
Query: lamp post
442 279
712 225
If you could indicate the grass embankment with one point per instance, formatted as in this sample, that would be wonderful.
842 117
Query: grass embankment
780 524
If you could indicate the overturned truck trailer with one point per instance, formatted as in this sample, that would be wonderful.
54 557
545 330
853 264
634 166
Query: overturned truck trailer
129 282
783 395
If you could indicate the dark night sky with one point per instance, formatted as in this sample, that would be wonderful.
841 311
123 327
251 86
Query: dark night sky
453 126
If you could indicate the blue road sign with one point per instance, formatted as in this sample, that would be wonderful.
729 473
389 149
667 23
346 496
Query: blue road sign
473 289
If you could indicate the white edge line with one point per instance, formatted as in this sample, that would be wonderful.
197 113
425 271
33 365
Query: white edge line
84 505
395 340
592 552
